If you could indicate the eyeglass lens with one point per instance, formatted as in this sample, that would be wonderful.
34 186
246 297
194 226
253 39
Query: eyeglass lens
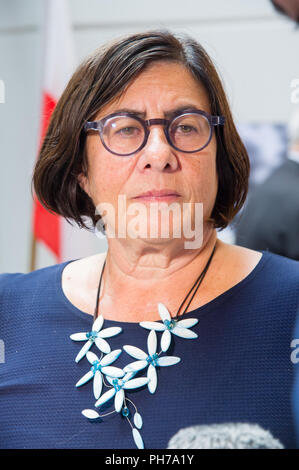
125 134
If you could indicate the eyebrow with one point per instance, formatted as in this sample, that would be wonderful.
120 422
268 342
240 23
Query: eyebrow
168 114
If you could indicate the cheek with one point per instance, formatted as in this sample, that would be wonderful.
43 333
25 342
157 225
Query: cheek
107 175
211 185
204 178
209 177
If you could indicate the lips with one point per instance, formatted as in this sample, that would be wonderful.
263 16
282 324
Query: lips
158 193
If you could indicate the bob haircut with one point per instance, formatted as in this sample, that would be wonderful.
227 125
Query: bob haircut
102 77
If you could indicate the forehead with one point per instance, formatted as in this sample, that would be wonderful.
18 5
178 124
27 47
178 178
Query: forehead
159 87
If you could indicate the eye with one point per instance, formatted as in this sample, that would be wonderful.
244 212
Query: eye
127 130
185 129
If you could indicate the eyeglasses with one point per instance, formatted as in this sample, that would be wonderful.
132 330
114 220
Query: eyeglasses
124 134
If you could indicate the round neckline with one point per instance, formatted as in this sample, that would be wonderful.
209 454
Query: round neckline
196 312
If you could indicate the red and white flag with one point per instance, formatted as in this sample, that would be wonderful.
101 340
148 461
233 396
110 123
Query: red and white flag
63 241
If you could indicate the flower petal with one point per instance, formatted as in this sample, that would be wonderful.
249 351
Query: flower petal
85 379
79 337
152 376
98 323
138 420
128 376
184 333
111 357
103 345
113 371
135 352
152 342
90 414
168 361
110 379
83 351
108 332
135 366
97 384
163 312
152 325
137 438
119 399
91 357
165 340
105 397
135 383
187 322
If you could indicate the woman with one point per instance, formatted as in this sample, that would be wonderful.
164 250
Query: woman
146 119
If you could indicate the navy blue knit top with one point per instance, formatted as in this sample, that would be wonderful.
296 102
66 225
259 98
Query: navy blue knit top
237 370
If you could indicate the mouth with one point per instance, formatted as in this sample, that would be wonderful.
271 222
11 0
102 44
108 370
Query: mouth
166 195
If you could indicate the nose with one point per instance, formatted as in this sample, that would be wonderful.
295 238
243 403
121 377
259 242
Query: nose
157 154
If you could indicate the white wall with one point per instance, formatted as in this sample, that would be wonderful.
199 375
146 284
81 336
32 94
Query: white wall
255 50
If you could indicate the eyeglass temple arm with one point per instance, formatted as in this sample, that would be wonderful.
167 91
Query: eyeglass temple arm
92 125
217 120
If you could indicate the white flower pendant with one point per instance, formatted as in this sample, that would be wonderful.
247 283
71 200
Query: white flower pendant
122 380
100 367
170 326
150 360
96 335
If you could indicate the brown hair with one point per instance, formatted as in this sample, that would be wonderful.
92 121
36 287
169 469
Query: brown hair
103 76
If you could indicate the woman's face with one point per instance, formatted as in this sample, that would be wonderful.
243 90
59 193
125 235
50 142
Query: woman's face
161 87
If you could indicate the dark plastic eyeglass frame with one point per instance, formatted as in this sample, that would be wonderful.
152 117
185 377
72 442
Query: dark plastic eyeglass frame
99 126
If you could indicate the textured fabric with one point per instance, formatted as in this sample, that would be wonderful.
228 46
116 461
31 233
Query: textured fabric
237 370
296 381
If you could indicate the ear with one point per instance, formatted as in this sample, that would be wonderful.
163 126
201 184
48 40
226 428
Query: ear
84 183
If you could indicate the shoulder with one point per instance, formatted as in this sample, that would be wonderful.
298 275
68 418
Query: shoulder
83 272
278 280
20 285
269 297
272 271
282 267
84 268
242 255
79 281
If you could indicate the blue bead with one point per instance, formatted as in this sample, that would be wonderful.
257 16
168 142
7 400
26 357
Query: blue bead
125 411
152 359
169 324
96 366
92 335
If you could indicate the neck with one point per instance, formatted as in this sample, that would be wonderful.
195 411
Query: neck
142 262
149 274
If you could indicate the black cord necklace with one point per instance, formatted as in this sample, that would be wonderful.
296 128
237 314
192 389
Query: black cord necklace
122 380
195 286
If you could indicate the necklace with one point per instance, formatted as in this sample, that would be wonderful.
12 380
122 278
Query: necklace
121 380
